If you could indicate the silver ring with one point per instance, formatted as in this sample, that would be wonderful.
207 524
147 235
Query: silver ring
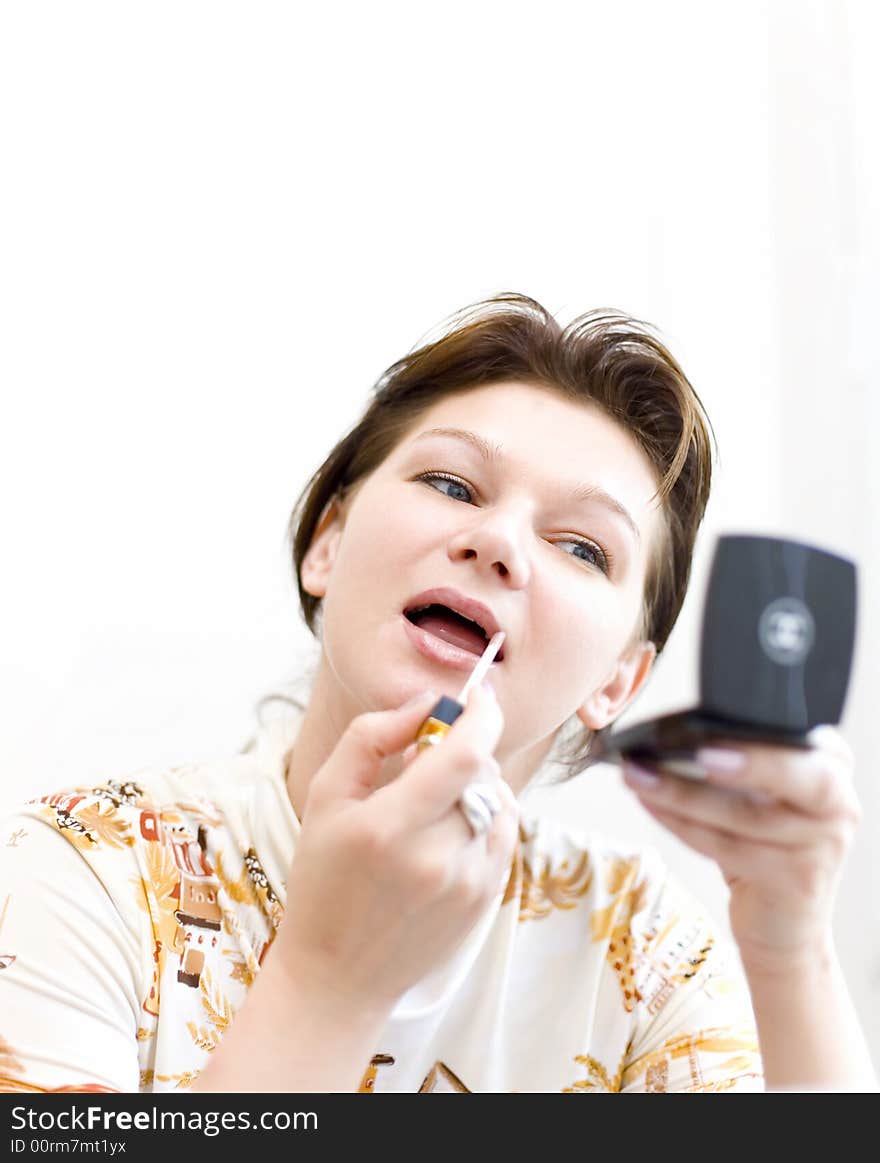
479 805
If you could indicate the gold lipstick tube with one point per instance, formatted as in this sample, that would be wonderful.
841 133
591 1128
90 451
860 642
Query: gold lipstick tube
435 728
446 710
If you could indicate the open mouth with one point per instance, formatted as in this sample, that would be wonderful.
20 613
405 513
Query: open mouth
450 626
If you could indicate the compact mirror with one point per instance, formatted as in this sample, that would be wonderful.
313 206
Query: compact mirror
776 651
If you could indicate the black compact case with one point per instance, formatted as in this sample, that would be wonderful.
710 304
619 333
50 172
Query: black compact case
776 652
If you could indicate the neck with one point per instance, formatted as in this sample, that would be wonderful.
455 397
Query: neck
326 718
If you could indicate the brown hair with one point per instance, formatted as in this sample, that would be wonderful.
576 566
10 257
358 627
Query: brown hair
604 358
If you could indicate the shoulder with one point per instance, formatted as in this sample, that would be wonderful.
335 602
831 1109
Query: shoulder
152 850
114 817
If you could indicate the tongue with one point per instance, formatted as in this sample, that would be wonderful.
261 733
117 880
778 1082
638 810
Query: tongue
450 629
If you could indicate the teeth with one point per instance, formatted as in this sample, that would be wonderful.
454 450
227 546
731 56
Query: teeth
419 609
472 622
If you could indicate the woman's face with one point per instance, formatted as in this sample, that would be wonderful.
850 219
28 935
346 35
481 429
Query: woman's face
563 575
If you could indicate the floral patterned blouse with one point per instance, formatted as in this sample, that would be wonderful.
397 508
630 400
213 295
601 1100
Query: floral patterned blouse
135 914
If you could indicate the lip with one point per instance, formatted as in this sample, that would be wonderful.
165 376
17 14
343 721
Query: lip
470 607
436 650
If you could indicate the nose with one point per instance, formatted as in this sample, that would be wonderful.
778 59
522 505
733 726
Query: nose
495 540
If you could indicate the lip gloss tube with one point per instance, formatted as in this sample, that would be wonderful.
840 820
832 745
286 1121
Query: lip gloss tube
446 710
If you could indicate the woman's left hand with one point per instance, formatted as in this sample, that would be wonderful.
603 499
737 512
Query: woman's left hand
779 821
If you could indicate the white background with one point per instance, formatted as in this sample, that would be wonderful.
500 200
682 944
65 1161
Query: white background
221 222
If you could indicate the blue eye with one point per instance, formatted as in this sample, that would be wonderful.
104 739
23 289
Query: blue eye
442 476
599 558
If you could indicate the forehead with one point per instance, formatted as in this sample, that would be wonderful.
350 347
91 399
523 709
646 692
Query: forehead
540 433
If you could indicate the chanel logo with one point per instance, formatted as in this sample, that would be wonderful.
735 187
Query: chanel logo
786 631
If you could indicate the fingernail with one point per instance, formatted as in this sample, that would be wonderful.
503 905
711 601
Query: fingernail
640 776
721 760
488 685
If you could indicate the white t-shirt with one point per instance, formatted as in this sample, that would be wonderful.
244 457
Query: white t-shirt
134 915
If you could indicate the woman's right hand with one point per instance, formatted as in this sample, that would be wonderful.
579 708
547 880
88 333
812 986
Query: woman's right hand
388 877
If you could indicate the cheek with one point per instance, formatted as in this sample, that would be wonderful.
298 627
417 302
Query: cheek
586 637
405 542
378 545
382 542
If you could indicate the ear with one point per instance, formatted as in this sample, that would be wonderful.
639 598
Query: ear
317 565
604 705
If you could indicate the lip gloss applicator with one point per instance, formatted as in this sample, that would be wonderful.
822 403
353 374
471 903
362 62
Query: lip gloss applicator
446 710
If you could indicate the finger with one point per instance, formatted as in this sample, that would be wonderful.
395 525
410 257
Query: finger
409 755
501 840
488 858
735 855
355 766
736 811
814 780
830 737
480 805
452 841
791 876
438 775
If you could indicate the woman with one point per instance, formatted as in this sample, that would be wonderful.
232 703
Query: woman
320 914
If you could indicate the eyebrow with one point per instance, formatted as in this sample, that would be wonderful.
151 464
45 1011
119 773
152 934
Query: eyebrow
492 452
